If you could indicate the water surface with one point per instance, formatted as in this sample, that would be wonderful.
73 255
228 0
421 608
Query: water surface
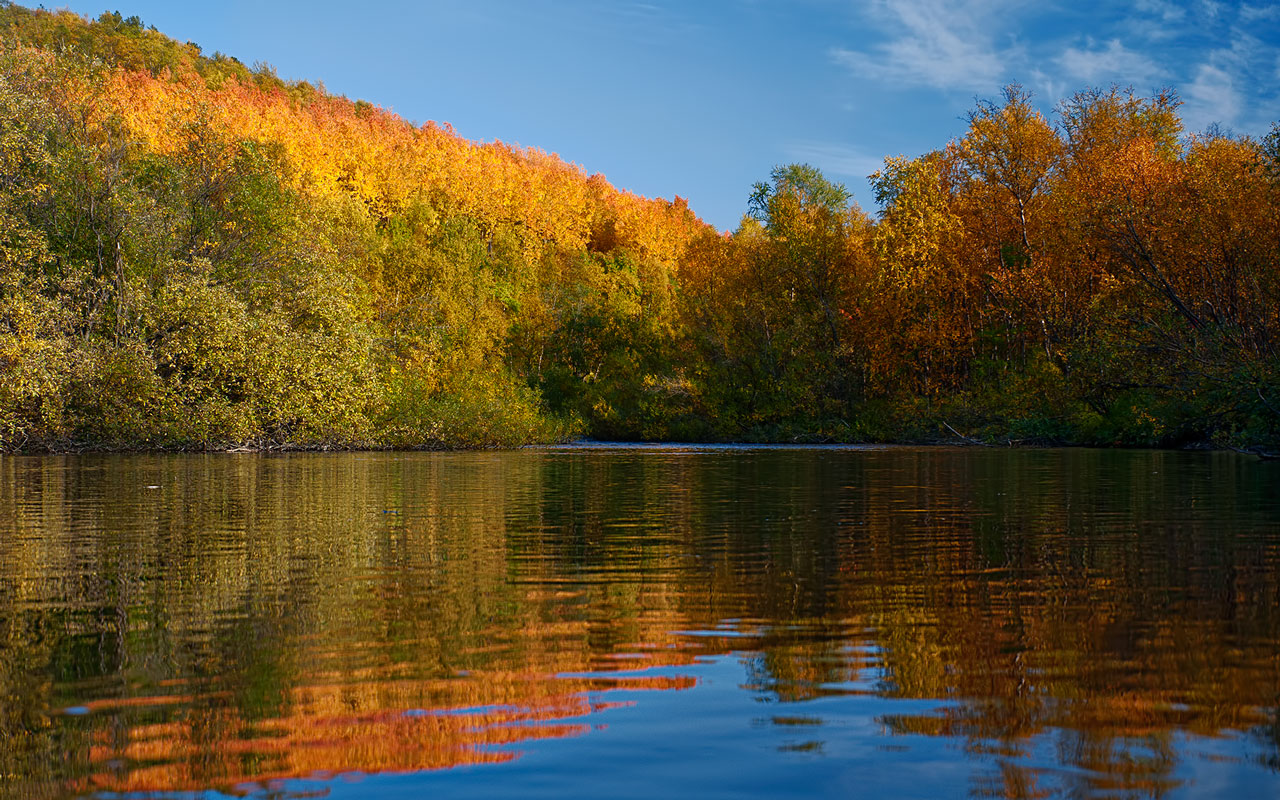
625 622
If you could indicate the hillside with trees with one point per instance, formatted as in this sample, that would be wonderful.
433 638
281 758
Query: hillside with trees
195 254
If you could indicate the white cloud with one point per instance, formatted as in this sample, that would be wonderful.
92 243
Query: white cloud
1167 11
1231 85
1111 64
938 44
1156 20
1245 49
1051 87
1250 13
834 159
1211 97
1220 57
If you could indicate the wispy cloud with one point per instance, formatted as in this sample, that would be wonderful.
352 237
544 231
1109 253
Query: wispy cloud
1113 63
834 159
649 23
933 43
1165 10
1233 85
1250 13
1211 97
1209 8
1221 56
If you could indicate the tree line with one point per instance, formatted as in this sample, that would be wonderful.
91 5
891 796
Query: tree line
197 254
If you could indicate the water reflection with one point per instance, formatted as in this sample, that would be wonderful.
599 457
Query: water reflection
1076 622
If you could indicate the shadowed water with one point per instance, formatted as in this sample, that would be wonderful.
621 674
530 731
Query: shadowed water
625 622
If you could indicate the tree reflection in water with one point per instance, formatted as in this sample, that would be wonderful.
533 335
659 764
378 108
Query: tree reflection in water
255 619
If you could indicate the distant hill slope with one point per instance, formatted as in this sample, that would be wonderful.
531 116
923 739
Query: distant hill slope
225 184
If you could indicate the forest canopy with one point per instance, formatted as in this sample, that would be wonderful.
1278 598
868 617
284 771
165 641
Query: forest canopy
198 254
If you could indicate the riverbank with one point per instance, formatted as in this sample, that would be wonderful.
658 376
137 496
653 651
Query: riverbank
954 440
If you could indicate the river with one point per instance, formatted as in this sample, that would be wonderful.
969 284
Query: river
622 621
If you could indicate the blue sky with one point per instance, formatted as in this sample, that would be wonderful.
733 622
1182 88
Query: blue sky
701 98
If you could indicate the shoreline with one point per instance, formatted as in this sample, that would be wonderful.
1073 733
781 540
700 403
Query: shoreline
587 444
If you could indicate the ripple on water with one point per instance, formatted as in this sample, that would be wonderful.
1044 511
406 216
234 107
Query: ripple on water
618 620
